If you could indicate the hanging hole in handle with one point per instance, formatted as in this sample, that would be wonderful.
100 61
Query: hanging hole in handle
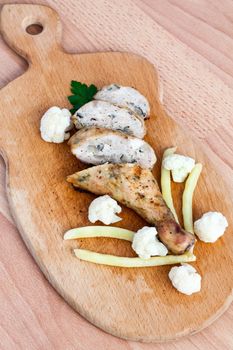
34 29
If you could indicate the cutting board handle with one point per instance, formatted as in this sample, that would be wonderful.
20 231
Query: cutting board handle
33 31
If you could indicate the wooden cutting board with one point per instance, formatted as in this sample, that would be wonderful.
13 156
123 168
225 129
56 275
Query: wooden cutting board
138 304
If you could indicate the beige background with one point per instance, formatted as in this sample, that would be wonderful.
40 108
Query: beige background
32 315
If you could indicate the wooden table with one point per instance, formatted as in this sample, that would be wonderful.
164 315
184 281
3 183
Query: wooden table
32 315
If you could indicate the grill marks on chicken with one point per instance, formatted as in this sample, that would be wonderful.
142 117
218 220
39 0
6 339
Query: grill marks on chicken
136 188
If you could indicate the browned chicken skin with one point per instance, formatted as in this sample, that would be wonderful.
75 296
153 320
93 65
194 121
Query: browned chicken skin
174 237
137 189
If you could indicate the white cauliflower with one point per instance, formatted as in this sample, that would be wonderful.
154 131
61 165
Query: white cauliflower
180 166
210 226
104 209
146 244
54 125
185 279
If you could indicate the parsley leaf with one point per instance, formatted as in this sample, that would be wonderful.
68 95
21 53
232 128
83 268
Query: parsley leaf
81 94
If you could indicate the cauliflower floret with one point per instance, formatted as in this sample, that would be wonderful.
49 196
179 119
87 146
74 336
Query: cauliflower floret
54 125
210 226
146 244
180 166
185 279
104 209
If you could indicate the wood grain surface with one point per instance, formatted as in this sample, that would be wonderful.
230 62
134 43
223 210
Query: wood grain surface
33 316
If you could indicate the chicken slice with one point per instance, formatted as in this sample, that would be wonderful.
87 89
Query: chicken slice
99 145
136 188
125 96
106 115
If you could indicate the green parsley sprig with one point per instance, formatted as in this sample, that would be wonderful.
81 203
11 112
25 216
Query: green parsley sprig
81 94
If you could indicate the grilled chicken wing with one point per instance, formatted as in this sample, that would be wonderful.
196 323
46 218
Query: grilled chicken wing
137 189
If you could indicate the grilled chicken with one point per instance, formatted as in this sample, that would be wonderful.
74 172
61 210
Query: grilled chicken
125 96
137 189
106 115
98 146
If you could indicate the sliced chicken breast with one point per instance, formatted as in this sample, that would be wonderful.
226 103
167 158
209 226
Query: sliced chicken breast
98 146
106 115
125 96
137 189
